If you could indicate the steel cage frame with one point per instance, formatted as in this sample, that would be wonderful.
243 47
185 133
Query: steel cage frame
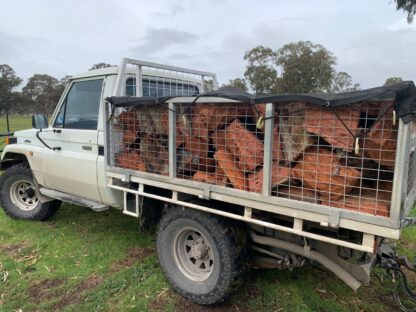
326 216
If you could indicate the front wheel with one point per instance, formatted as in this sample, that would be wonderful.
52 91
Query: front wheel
202 256
19 197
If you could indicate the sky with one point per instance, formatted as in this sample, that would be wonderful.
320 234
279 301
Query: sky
370 39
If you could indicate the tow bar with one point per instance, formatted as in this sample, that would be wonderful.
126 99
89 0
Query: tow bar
388 259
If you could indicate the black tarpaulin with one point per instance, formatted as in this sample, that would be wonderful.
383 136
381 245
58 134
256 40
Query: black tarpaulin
404 94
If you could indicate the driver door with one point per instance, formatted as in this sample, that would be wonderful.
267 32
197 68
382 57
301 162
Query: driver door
73 168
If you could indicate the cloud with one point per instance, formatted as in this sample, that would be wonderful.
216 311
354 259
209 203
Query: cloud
158 39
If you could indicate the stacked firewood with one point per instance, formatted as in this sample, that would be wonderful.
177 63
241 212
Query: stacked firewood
340 157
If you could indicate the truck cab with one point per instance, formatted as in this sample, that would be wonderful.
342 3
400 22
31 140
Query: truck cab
67 157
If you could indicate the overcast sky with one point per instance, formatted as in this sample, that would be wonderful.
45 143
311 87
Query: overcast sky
370 39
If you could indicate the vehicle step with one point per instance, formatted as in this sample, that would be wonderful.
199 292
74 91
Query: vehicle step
65 197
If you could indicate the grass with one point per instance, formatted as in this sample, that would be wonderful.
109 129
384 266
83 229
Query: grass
85 261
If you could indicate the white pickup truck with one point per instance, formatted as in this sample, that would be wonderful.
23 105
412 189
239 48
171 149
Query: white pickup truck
204 233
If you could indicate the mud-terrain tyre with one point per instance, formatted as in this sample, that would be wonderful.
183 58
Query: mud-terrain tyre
19 197
203 256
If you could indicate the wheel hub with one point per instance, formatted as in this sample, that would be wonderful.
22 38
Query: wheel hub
193 255
199 250
23 195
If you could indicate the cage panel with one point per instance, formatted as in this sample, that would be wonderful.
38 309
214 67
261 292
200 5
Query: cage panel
342 157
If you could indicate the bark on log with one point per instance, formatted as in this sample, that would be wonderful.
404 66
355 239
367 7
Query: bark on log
321 170
295 138
154 154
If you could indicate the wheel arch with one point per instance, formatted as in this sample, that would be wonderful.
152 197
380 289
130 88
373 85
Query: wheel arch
10 158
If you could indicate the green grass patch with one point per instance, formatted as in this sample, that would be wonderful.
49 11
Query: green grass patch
86 261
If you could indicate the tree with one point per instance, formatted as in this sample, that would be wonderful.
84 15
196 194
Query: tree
342 82
8 81
100 65
260 71
306 68
408 6
393 80
237 83
45 91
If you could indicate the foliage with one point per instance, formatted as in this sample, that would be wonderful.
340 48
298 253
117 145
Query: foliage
237 83
342 82
393 80
45 92
100 65
260 71
306 67
8 81
408 6
298 67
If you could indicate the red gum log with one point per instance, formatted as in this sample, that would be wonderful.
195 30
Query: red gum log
245 146
373 108
199 152
154 154
131 160
255 179
218 139
234 174
362 204
326 124
128 120
129 137
299 193
212 178
277 145
321 170
217 115
381 142
199 128
294 136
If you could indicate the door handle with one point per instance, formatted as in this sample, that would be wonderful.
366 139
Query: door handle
87 148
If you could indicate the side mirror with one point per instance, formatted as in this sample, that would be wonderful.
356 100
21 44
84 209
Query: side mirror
39 121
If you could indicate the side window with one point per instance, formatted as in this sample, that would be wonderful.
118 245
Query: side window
81 106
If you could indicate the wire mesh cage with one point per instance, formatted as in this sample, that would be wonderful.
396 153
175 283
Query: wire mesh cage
341 157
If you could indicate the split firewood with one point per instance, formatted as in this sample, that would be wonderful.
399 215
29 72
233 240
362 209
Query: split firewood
294 137
211 178
327 125
127 120
217 115
248 149
279 175
321 170
234 174
366 202
131 160
198 149
381 142
154 154
299 193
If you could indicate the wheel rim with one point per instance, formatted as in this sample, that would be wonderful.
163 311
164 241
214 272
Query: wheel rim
24 195
193 255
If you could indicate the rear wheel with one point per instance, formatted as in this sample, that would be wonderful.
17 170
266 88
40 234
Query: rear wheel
202 256
19 197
